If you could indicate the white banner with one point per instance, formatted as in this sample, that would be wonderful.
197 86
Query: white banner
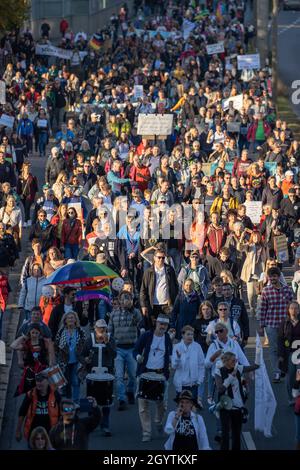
155 124
265 402
217 48
48 49
42 123
138 91
7 121
2 92
237 102
233 126
250 61
254 210
187 28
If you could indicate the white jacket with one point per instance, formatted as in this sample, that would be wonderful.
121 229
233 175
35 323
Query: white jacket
31 292
231 346
189 367
199 426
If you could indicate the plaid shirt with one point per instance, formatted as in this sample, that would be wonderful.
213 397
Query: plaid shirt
274 304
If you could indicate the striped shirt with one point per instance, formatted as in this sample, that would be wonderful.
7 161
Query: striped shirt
274 305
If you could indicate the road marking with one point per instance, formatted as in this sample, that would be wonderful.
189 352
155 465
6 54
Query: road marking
249 442
289 26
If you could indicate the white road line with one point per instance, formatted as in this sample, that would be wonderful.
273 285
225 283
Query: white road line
289 27
249 442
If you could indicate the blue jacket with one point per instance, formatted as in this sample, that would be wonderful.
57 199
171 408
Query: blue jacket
143 346
25 127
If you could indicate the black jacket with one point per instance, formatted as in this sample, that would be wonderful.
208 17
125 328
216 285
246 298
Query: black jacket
57 314
148 286
108 355
239 313
46 236
272 197
7 174
8 251
53 167
286 333
291 211
142 347
83 427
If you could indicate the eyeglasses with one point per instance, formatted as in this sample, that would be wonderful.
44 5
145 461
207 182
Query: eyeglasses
162 202
219 331
71 212
42 215
223 309
160 257
68 409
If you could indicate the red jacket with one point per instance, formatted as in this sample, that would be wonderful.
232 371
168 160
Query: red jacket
72 235
141 176
252 131
215 238
4 291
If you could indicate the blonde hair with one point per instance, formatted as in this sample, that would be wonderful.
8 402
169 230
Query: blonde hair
35 432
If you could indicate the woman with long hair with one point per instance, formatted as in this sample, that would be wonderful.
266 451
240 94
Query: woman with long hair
11 216
58 219
53 261
39 439
60 184
69 343
27 188
71 234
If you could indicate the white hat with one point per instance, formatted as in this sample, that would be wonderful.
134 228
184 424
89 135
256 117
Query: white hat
47 291
163 319
101 324
289 173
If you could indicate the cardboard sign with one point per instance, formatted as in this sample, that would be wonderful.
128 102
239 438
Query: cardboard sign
2 92
155 124
249 61
233 126
42 123
138 91
281 248
237 102
254 210
7 121
217 48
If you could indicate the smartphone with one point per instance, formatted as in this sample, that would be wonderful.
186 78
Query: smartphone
85 405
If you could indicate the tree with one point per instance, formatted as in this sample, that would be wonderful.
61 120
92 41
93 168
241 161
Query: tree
13 14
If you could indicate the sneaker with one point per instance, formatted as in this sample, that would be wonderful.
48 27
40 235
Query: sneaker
276 378
146 438
130 397
122 405
210 401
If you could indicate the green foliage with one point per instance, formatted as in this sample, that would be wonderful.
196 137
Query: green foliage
13 13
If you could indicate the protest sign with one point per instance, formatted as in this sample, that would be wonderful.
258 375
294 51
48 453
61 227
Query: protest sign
254 210
217 48
41 123
155 124
7 121
237 102
2 353
2 92
281 248
138 91
187 28
233 126
49 50
249 61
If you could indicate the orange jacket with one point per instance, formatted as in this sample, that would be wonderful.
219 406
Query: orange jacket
53 410
47 305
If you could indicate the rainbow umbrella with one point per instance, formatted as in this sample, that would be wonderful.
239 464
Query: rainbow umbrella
81 272
99 290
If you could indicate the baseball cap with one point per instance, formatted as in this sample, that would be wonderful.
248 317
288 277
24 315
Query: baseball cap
46 186
101 324
163 319
289 173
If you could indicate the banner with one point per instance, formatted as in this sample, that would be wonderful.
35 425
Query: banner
265 402
233 126
138 91
217 48
7 121
49 50
254 210
237 102
210 168
250 61
281 248
155 124
2 92
187 28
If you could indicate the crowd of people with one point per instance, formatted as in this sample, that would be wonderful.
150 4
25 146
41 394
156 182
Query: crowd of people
169 215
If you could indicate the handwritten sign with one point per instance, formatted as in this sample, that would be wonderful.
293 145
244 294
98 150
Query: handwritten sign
7 121
217 48
254 210
281 248
48 49
138 91
249 61
42 122
2 92
237 102
233 126
155 124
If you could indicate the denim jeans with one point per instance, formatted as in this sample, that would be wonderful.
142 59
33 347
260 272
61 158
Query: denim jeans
125 360
43 137
176 257
291 376
73 385
71 251
208 378
272 334
103 309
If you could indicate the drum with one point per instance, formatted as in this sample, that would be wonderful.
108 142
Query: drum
101 388
55 376
151 387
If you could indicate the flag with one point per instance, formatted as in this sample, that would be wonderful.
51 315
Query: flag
265 402
96 42
187 28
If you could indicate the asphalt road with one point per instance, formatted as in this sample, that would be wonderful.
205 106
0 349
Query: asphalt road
288 50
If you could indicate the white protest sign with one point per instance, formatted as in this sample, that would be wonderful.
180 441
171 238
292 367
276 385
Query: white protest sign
7 121
254 210
42 122
237 102
233 126
48 49
155 124
2 353
250 61
138 91
2 92
217 48
187 28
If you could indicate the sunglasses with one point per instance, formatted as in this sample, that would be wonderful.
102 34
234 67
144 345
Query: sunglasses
68 409
71 212
42 215
223 309
219 331
160 257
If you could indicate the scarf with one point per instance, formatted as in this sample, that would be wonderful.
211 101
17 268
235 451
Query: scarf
191 297
44 224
